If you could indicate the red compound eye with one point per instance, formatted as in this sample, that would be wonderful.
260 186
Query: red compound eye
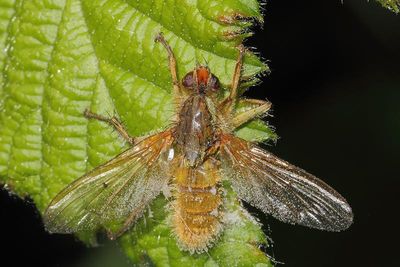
188 80
213 83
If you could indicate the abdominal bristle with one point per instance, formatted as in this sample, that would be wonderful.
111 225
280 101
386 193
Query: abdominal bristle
197 219
196 231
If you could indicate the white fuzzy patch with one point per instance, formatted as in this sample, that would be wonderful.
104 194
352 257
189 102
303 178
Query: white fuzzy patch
171 154
213 190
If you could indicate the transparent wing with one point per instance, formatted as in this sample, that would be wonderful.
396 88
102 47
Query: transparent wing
116 191
288 193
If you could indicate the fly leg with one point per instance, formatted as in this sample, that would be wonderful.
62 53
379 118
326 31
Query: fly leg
172 64
257 108
228 103
113 121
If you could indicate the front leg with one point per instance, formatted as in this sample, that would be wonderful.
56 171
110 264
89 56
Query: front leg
228 103
113 121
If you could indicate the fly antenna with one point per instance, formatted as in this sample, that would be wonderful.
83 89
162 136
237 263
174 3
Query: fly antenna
197 63
205 60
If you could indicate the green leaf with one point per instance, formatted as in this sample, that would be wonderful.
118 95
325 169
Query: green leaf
393 5
256 131
62 56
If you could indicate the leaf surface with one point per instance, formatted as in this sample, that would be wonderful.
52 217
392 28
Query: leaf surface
393 5
62 56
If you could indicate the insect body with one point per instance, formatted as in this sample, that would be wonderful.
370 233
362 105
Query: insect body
196 218
191 159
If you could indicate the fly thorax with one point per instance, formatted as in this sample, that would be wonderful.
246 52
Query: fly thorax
194 131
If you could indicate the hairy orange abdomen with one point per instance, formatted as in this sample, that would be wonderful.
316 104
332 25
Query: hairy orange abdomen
197 215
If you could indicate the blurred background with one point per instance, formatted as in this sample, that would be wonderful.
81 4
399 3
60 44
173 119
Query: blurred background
335 89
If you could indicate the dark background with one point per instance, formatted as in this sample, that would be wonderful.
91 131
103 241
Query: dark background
335 89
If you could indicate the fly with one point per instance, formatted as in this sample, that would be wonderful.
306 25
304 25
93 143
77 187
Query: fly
191 159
